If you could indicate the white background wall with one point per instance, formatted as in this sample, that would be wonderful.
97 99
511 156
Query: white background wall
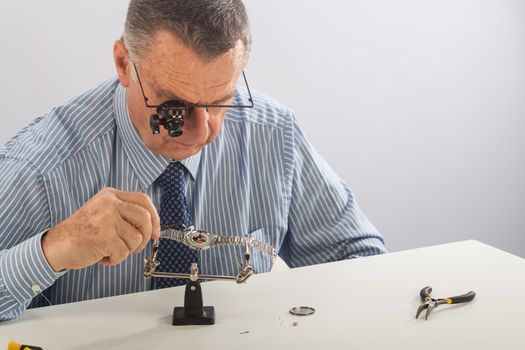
418 105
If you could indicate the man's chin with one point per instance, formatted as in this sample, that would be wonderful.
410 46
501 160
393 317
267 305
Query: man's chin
177 148
184 144
180 153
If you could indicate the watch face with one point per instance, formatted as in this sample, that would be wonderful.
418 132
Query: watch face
199 239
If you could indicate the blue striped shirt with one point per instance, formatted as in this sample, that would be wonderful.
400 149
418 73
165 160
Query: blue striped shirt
260 178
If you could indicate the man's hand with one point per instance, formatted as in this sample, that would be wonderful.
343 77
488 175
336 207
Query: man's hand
106 229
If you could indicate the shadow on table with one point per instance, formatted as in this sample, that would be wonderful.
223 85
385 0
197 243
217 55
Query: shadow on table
140 340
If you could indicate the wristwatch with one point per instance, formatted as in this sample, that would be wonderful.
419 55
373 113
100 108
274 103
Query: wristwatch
202 240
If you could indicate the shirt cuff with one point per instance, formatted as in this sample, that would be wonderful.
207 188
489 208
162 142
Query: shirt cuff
25 271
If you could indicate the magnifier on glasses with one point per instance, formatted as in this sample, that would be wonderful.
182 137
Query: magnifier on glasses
171 114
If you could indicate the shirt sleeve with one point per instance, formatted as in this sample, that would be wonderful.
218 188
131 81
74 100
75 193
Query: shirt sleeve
24 218
324 223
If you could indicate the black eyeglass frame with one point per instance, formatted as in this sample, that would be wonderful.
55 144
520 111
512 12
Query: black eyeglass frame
196 105
171 113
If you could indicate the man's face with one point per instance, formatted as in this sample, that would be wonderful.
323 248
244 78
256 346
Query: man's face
172 71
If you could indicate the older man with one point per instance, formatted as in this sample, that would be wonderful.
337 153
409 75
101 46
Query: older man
82 187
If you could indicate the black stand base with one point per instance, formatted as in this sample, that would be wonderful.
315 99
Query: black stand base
181 319
193 313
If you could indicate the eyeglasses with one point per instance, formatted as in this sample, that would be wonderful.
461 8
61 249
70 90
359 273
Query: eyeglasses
170 114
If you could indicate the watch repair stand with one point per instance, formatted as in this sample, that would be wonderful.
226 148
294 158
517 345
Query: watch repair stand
193 313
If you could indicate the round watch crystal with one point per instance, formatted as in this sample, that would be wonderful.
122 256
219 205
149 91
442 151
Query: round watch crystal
302 310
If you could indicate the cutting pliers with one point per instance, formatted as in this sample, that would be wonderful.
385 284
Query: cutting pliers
430 303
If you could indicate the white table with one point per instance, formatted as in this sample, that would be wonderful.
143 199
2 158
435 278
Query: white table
367 303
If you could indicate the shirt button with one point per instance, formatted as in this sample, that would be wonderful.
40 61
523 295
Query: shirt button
36 288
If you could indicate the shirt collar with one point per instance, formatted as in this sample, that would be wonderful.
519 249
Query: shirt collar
147 165
192 164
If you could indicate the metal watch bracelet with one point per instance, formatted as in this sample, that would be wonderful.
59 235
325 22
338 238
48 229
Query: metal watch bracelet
202 240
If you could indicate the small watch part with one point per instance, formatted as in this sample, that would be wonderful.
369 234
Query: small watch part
302 310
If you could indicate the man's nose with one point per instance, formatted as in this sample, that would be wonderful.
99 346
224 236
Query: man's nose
197 117
198 114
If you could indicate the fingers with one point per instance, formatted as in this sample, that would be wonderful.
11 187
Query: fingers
106 229
134 239
145 202
118 253
136 226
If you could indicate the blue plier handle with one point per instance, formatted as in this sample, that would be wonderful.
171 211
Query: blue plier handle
430 303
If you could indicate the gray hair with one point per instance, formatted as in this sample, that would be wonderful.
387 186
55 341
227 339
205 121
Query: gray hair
209 27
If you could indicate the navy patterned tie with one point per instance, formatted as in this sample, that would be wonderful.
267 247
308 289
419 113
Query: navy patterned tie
173 256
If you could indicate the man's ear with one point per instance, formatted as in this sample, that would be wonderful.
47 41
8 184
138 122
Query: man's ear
122 63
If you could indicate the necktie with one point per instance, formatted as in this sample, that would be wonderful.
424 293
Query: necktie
173 256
